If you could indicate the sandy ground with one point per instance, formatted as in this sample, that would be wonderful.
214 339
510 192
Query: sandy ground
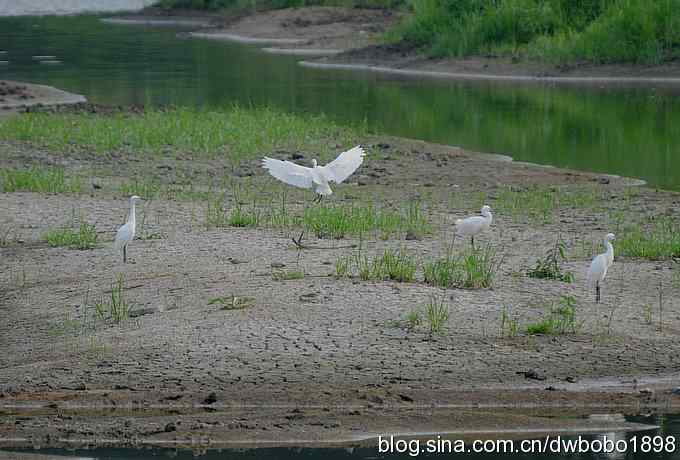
318 359
343 38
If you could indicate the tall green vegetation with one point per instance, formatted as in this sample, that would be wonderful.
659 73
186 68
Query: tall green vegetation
240 4
557 30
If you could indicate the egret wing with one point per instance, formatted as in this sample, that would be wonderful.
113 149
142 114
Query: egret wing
288 172
344 165
122 236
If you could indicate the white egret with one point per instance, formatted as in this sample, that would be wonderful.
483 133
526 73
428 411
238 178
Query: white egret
317 177
126 233
474 225
599 266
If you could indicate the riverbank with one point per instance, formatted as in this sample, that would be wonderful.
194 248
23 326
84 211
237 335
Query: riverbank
232 334
17 96
343 38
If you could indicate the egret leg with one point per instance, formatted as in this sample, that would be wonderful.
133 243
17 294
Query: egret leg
125 254
472 239
597 292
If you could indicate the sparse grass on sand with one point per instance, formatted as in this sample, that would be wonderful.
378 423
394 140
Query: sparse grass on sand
115 306
660 240
235 134
559 320
539 204
42 180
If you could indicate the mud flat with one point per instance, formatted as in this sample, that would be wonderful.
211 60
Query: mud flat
320 359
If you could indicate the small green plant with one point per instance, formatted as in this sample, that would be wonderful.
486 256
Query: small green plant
283 275
45 180
413 319
85 237
550 267
509 325
232 302
475 269
436 314
115 306
561 319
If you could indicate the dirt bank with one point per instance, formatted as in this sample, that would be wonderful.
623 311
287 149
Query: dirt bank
349 39
17 97
320 359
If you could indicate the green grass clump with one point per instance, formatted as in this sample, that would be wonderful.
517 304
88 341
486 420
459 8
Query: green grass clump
42 180
561 319
85 237
550 267
475 269
391 265
658 242
337 221
235 133
240 217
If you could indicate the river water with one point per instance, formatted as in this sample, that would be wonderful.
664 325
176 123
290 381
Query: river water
632 132
668 432
41 7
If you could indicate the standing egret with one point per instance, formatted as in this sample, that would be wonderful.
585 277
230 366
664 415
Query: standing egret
474 225
599 266
317 177
126 233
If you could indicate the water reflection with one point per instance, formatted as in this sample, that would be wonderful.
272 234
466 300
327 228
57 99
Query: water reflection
623 131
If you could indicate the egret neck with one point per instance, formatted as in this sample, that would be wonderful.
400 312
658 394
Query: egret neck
610 252
131 216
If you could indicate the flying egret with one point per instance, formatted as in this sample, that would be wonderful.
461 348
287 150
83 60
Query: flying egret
599 266
474 225
126 233
317 177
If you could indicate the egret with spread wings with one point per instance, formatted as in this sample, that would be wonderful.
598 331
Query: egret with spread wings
317 177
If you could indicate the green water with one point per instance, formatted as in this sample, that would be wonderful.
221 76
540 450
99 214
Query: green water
668 426
631 132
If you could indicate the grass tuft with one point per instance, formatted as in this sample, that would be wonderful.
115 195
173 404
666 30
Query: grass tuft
436 314
391 265
115 306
